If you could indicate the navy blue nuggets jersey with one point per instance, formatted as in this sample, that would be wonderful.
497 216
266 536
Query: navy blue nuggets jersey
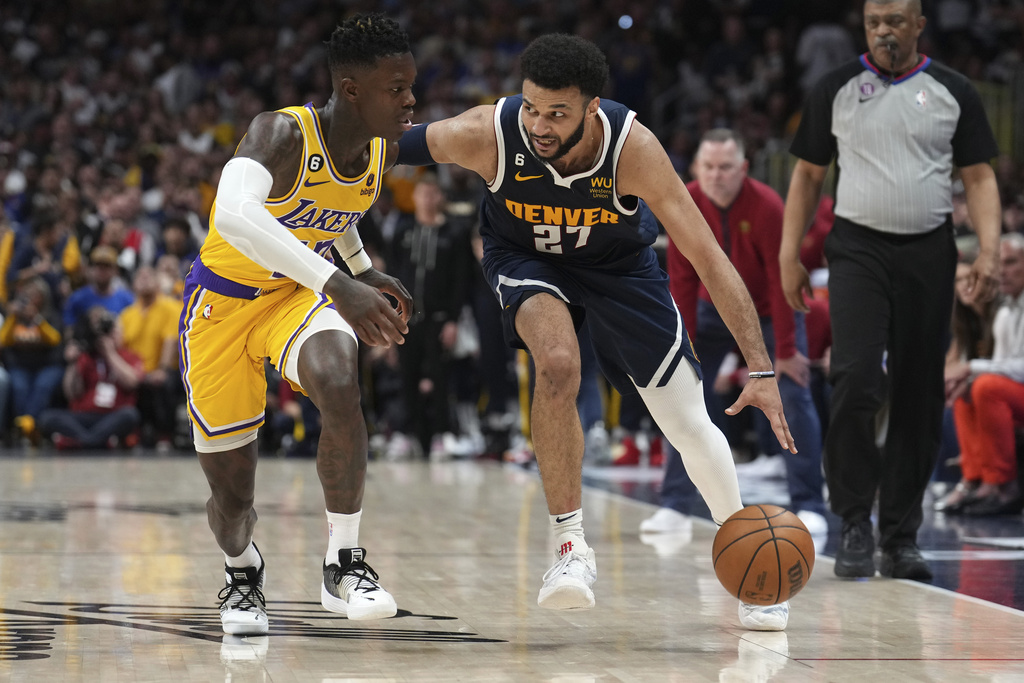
578 219
577 240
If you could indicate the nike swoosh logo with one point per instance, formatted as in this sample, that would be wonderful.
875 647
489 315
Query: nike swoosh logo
865 99
559 520
312 184
526 177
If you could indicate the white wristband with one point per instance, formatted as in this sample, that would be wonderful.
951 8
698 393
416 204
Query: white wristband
359 262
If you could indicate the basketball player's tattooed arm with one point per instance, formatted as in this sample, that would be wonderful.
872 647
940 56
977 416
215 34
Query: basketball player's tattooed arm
645 171
267 163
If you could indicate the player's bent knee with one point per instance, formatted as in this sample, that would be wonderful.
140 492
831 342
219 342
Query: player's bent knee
333 391
557 362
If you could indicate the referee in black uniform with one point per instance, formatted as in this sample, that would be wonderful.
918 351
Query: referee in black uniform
896 122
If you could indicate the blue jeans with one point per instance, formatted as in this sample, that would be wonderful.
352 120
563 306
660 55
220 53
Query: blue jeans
803 470
91 430
33 388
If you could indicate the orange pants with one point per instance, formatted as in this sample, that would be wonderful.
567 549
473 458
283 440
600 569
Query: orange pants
985 426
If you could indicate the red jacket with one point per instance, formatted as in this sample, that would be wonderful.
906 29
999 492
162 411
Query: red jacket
755 233
102 393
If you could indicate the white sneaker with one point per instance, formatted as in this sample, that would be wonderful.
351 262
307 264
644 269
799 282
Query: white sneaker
667 521
351 588
763 467
567 584
764 617
815 522
243 609
401 448
439 448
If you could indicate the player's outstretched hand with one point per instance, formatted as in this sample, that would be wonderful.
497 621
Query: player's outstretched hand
375 321
763 393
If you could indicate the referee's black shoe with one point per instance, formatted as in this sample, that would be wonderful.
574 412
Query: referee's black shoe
904 561
855 557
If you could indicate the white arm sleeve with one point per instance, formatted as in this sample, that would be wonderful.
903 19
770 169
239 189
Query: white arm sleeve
246 225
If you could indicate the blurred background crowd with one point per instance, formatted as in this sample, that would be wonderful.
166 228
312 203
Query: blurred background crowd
116 118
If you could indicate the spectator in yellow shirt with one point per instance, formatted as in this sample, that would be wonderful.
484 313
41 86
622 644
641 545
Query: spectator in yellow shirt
150 328
30 342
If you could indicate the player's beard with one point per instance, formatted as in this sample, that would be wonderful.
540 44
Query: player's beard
563 148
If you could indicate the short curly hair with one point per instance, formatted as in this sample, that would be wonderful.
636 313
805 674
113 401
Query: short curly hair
560 60
365 38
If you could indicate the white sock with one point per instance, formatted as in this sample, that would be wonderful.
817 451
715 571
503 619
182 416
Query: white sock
250 557
568 523
342 532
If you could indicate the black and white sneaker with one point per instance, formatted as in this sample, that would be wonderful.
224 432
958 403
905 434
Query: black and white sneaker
351 588
243 609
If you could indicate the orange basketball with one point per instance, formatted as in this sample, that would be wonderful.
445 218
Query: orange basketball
763 554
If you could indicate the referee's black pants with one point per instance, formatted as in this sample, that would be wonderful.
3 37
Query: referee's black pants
887 293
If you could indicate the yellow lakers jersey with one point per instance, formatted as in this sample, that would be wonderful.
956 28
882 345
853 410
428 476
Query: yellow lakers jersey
319 207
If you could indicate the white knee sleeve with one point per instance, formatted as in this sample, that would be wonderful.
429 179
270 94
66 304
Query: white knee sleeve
679 410
204 445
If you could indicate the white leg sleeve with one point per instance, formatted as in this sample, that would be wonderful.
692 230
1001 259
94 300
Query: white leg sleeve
679 410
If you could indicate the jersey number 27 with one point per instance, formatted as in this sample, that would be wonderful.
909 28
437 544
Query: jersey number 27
549 238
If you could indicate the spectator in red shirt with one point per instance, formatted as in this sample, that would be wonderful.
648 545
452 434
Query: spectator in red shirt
746 217
100 383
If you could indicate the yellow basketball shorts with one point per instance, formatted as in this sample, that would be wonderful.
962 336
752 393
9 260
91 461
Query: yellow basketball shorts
225 332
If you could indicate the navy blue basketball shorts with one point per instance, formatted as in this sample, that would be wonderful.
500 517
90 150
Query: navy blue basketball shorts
638 335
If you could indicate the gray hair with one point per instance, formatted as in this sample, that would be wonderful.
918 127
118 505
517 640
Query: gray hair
1014 239
724 135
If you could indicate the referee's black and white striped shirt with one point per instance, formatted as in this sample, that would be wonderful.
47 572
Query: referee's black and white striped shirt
896 140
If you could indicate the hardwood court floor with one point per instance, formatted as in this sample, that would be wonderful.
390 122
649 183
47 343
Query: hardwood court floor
108 572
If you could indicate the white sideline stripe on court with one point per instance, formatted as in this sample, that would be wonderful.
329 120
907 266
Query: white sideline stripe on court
996 541
941 555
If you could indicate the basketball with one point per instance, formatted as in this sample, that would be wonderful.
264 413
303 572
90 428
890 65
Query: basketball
763 554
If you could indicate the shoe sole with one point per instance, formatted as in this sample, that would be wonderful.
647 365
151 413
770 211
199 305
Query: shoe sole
567 597
765 626
375 610
853 570
241 629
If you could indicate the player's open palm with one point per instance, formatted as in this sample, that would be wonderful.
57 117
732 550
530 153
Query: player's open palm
371 315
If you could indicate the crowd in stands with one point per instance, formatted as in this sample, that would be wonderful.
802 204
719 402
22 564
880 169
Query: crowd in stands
115 119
